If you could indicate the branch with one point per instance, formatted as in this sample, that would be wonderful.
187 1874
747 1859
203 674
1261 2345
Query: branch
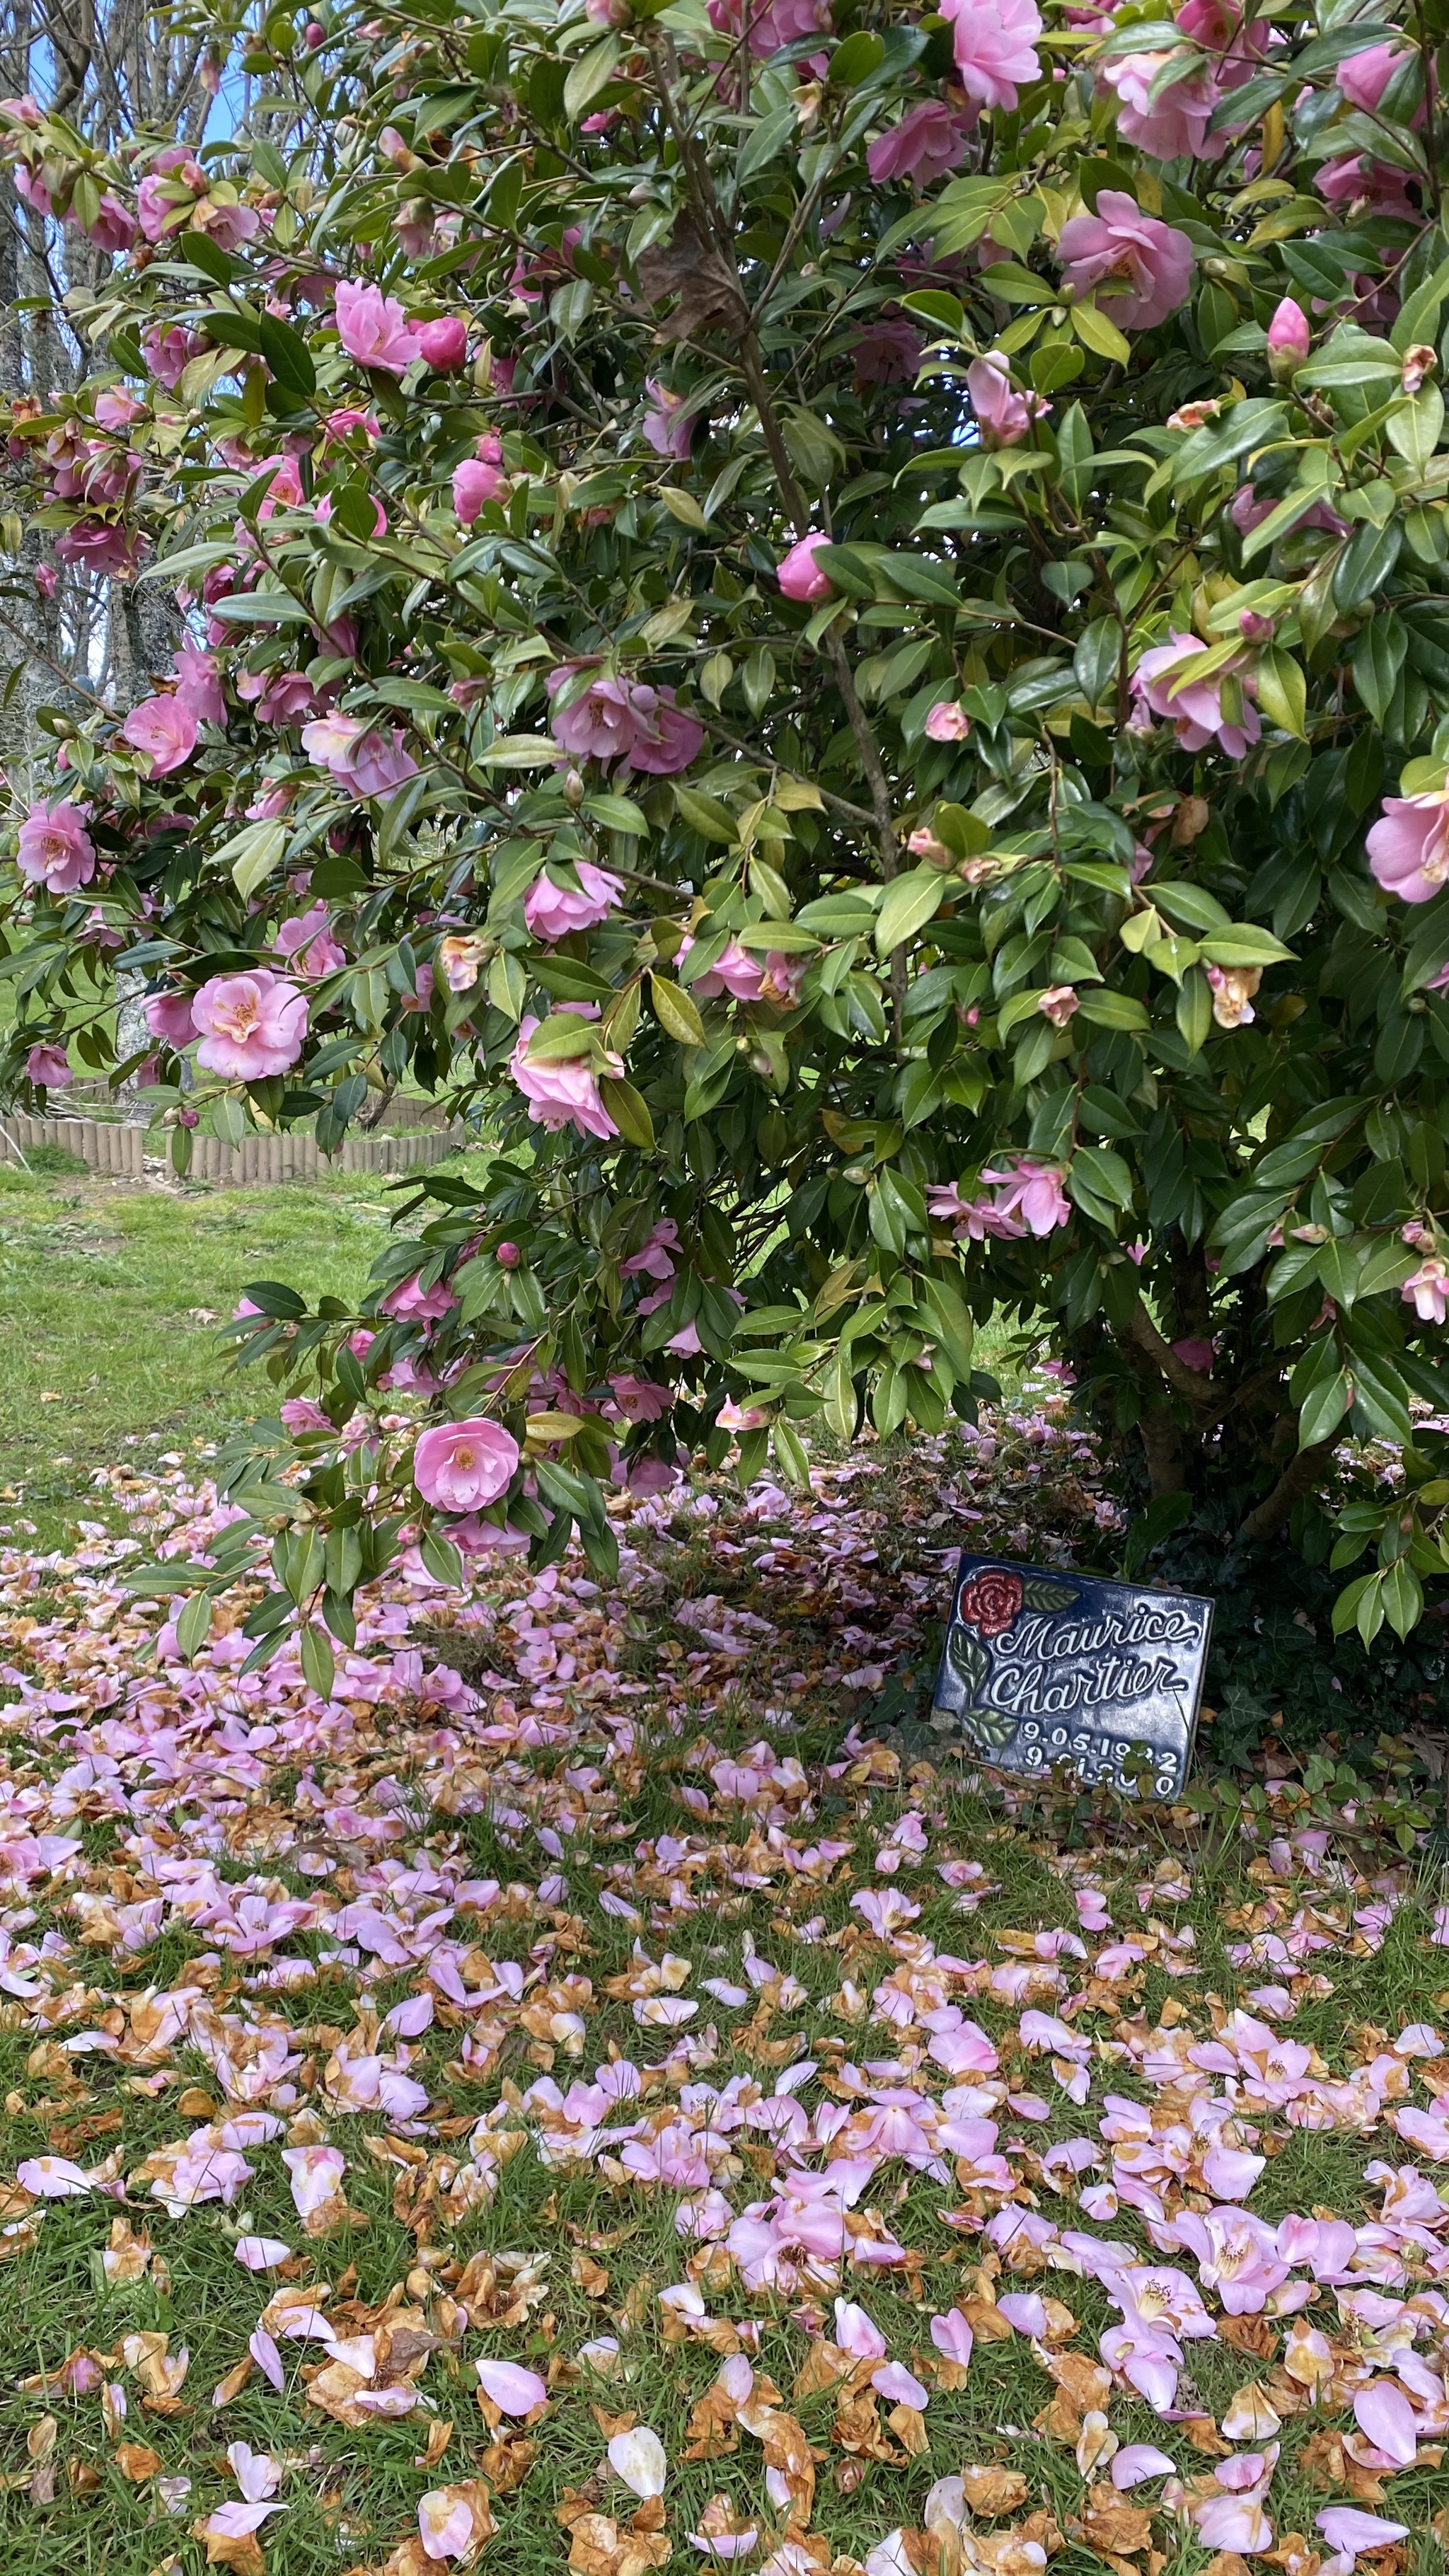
1299 1477
1191 1382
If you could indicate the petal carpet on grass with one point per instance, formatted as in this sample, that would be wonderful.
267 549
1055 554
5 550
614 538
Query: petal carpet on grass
585 2096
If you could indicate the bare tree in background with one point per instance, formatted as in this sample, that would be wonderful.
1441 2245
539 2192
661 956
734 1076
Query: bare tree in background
114 69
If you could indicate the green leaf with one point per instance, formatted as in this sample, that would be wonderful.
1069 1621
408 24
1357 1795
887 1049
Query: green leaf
705 815
857 60
1324 1409
1403 1597
908 903
676 1011
1221 442
515 750
253 854
319 1664
1099 333
203 253
193 1626
590 74
1243 943
287 355
1378 654
561 1038
790 1456
1415 429
1106 1174
442 1559
1366 562
1109 1010
1359 1606
629 1111
1282 690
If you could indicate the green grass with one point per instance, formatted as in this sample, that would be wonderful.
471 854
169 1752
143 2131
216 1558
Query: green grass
110 1299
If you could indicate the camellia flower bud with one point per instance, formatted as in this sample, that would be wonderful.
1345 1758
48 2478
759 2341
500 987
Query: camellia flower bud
1420 361
924 845
1289 338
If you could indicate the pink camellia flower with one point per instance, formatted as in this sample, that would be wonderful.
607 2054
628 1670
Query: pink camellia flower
341 423
734 971
168 350
47 580
1003 415
668 425
49 1068
1408 847
251 1025
510 2387
101 545
1427 1291
1058 1003
1359 185
947 722
414 1304
306 939
299 1415
562 1093
113 227
358 756
1032 1191
551 911
1233 988
927 141
462 1467
994 43
799 576
772 23
887 351
168 1016
1364 78
1289 337
163 731
625 720
374 329
1173 125
444 343
1195 708
1121 244
198 685
55 848
475 481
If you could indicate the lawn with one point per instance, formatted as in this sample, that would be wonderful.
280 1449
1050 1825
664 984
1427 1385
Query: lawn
110 1296
590 2096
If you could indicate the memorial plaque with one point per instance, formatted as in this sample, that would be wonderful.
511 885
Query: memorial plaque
1044 1666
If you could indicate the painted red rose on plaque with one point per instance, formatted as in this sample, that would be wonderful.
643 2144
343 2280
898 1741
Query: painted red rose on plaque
990 1601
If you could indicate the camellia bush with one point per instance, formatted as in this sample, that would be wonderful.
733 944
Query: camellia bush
836 624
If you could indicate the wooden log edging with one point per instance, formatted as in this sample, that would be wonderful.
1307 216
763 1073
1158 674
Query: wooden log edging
259 1162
